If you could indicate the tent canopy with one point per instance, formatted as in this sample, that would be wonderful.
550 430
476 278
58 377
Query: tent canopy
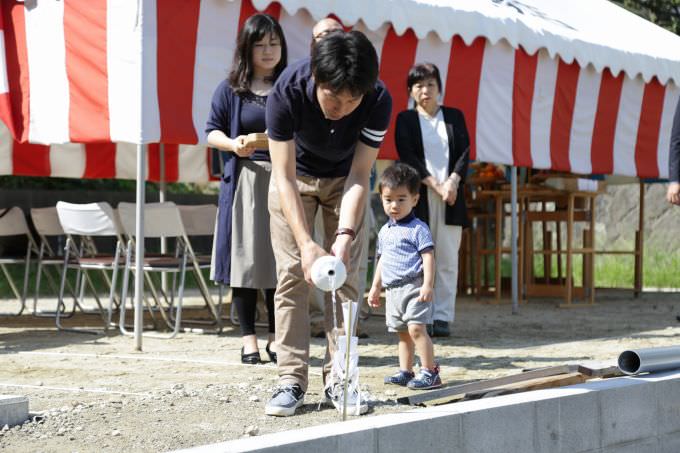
541 82
572 30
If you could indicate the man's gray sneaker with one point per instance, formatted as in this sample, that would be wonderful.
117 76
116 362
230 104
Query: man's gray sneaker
285 400
334 395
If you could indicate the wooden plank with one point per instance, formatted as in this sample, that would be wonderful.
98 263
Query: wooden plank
601 370
559 380
422 398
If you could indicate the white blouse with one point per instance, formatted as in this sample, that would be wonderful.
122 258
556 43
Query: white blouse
435 144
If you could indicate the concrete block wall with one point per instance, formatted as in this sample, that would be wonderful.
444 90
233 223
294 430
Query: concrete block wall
627 414
13 410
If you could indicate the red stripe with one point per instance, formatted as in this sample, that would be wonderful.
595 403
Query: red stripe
5 101
646 147
247 10
153 154
563 114
86 69
522 101
171 162
17 66
398 55
177 24
604 128
6 112
31 160
462 83
100 160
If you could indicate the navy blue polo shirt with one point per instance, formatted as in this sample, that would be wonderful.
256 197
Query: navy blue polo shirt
323 148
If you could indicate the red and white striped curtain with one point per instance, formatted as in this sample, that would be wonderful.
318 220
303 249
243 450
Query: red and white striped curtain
101 72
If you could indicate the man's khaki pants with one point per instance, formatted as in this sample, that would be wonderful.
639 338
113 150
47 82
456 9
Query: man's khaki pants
292 291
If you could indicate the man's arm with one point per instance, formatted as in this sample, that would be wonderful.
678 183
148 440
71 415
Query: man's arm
283 171
354 198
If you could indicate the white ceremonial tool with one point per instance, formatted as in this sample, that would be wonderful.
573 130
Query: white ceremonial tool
328 273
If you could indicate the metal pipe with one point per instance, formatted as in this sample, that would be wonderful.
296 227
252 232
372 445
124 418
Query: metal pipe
139 245
649 360
513 234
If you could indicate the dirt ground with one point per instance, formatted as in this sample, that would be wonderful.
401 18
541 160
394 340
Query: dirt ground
94 393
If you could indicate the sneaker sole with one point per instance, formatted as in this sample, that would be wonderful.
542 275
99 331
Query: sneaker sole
426 388
278 411
351 408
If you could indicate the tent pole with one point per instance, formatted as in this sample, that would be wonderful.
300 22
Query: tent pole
139 244
162 196
513 239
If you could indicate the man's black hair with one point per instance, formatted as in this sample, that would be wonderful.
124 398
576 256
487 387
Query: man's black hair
421 72
345 61
400 175
254 29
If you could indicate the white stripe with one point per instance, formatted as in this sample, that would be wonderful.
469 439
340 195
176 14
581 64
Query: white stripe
49 100
542 108
627 123
670 101
377 37
124 66
494 105
431 49
215 44
585 108
126 161
298 32
370 136
151 117
4 84
67 160
375 132
193 163
6 148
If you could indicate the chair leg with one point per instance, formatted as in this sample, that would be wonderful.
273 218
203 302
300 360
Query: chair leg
15 291
61 306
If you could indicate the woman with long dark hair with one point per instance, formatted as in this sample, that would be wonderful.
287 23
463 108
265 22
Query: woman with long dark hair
243 256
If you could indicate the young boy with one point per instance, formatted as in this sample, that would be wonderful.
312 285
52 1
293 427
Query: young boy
406 269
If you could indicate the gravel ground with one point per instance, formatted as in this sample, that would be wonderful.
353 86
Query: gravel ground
94 393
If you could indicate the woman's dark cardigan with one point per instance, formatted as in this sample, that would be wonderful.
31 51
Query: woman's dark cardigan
409 142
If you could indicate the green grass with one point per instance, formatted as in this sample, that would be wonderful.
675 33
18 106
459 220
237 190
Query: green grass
660 269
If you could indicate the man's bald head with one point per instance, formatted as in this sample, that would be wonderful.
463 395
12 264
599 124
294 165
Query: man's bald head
325 26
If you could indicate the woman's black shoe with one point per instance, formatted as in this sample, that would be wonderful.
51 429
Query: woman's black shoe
271 354
250 359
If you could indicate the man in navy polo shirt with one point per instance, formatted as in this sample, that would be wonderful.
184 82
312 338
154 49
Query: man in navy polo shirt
326 118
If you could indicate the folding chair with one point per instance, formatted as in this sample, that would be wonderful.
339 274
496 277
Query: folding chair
82 223
13 223
46 223
199 220
161 220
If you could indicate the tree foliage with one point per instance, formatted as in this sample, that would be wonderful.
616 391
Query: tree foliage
665 13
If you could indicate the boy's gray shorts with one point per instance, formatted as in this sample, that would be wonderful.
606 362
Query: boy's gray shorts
402 307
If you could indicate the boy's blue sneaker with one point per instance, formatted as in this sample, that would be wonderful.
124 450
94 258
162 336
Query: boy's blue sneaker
285 400
402 378
426 379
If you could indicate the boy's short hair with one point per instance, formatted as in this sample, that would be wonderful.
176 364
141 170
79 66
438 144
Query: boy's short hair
400 175
345 61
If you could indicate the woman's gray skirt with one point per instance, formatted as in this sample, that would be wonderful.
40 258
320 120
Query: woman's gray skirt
252 257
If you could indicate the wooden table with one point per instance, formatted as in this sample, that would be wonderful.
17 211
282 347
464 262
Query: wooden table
488 209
